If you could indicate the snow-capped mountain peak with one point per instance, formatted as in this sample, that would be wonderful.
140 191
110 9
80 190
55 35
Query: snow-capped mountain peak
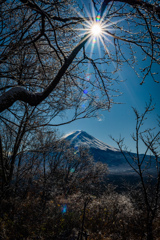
103 152
80 137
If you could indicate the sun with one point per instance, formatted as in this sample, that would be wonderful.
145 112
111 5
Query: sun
99 29
96 29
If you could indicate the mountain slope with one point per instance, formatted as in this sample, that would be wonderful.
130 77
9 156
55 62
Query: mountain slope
100 151
82 138
109 155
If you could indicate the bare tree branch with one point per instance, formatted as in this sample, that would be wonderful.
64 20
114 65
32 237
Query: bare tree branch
149 7
33 99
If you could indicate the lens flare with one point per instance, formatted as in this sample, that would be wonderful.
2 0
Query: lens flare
85 91
72 170
64 208
98 18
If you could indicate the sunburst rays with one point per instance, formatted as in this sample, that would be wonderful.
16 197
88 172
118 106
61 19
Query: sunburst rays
97 29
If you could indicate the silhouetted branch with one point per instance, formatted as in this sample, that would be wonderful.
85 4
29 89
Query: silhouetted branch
33 99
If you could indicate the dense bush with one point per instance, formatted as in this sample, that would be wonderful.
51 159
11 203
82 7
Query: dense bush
59 193
110 216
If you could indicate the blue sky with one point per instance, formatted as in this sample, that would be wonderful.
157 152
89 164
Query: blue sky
121 119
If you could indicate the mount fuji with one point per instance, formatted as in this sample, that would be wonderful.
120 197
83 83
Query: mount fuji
80 137
100 152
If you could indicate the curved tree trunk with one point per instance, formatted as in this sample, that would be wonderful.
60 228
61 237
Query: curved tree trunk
33 99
